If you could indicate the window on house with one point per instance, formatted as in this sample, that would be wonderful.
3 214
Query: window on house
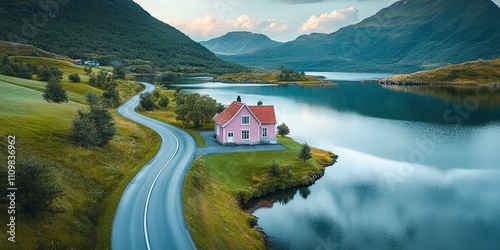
264 132
245 120
245 135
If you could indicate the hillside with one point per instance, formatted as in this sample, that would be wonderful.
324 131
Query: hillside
240 42
92 180
108 31
407 36
469 73
17 49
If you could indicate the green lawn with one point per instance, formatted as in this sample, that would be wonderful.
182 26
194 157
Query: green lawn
92 179
217 185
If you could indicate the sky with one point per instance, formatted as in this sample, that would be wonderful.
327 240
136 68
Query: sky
281 20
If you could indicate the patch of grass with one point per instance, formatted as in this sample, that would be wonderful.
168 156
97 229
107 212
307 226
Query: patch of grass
92 179
218 185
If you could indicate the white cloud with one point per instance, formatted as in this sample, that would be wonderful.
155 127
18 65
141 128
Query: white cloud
330 22
276 26
209 25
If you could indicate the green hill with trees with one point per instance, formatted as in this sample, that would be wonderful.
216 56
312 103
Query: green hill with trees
113 31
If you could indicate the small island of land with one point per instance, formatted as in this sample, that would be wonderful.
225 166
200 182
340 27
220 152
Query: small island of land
281 76
475 73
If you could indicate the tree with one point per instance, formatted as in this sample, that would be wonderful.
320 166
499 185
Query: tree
45 73
36 183
93 126
195 108
166 79
164 101
88 70
147 102
54 91
112 96
119 72
305 152
74 78
283 130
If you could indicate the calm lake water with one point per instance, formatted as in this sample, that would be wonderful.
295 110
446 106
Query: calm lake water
418 168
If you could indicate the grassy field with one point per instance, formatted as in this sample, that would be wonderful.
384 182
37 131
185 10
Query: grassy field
269 77
475 72
217 185
92 179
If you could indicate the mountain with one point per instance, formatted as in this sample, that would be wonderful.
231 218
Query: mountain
239 42
407 36
105 30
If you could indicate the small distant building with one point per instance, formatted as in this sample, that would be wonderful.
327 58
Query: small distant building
78 61
92 63
245 124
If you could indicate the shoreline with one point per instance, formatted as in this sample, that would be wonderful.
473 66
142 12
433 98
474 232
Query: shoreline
389 82
319 83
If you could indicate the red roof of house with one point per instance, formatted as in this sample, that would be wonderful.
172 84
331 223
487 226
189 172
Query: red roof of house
228 114
265 114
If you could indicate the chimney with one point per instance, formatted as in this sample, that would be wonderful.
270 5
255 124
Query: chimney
259 103
238 99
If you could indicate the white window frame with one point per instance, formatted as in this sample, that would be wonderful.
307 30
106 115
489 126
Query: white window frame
265 132
245 130
245 116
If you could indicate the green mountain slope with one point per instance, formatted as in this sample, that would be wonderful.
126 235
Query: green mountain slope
105 30
239 42
407 36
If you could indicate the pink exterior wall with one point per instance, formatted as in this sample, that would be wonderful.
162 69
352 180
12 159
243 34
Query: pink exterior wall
254 127
236 126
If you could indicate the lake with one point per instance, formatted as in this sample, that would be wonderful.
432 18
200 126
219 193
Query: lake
418 167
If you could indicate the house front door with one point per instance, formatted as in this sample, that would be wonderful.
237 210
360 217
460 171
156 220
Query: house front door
230 137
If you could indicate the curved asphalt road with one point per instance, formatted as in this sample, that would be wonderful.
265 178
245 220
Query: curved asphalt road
150 214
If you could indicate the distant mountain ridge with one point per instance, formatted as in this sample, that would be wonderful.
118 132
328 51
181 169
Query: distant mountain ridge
239 42
409 35
106 30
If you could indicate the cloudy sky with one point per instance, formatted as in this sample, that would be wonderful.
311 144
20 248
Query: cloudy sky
282 20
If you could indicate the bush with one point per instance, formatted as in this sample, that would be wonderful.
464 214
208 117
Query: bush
147 102
45 73
163 102
112 97
95 126
74 78
283 130
54 91
36 184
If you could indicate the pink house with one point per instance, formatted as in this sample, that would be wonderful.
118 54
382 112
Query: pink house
244 124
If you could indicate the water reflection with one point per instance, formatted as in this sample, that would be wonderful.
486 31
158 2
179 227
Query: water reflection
405 179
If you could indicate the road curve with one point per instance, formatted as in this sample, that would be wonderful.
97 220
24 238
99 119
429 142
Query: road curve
150 213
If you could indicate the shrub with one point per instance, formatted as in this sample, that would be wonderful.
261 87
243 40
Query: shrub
95 126
36 183
283 130
54 91
74 78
